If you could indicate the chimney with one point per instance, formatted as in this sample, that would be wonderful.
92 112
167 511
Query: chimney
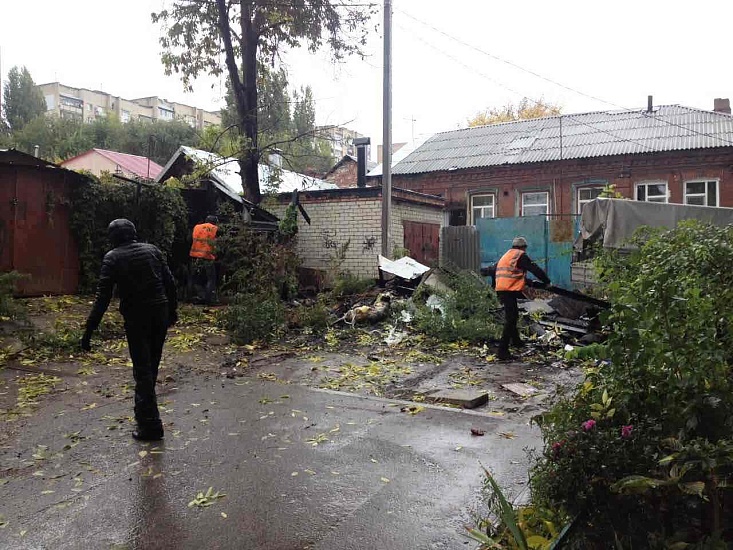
361 149
275 158
649 104
721 105
36 150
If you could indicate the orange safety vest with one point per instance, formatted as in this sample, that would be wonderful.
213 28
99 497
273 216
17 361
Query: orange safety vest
203 241
508 276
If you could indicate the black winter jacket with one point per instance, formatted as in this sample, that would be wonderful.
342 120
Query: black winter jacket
142 278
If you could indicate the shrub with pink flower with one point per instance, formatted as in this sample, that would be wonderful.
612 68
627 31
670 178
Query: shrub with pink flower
589 424
626 431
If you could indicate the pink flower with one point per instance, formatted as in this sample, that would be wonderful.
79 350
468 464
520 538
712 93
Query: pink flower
589 424
626 431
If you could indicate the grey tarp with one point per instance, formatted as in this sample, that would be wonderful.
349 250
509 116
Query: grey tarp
616 220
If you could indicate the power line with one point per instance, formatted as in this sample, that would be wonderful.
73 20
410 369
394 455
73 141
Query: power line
512 90
561 85
505 61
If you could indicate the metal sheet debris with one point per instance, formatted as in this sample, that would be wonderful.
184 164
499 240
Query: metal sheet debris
405 268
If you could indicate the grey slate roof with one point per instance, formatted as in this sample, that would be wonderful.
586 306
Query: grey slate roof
584 135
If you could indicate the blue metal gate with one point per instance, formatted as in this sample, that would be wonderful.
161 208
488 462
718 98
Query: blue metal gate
550 240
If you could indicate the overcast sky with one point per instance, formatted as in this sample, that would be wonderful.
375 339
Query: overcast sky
447 57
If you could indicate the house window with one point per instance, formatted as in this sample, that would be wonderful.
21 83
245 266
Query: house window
587 194
701 192
482 206
651 192
125 116
535 204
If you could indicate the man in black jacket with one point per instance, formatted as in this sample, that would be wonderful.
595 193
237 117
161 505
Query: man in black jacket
148 303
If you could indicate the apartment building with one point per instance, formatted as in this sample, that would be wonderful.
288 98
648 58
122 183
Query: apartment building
88 105
340 139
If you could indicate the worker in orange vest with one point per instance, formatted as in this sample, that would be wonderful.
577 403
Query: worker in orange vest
202 251
510 282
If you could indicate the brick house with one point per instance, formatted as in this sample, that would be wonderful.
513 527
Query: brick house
554 165
344 173
354 216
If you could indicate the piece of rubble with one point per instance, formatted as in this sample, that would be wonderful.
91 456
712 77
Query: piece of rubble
521 389
468 399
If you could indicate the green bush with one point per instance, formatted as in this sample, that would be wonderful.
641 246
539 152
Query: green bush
466 312
642 451
160 216
8 306
254 316
254 261
347 284
316 317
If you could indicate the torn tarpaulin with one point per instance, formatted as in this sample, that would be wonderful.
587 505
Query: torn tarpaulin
405 268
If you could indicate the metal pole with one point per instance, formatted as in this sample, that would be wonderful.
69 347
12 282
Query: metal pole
387 132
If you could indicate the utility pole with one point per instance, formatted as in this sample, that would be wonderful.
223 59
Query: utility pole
387 131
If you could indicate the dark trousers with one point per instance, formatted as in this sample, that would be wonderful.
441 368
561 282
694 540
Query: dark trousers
146 332
210 289
511 317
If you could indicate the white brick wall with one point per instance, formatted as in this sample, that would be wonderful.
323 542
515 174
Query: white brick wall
333 223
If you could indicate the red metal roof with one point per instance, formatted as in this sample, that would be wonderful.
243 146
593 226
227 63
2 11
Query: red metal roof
133 163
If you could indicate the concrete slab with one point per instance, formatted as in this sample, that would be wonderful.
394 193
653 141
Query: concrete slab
468 399
522 390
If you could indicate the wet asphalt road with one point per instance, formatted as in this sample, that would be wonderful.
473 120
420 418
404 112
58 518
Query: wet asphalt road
377 478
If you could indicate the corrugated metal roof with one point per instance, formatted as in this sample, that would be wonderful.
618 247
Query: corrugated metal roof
584 135
225 174
135 164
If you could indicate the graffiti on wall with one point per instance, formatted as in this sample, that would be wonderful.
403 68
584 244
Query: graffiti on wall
368 243
328 238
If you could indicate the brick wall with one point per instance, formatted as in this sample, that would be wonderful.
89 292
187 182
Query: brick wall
336 220
345 175
563 179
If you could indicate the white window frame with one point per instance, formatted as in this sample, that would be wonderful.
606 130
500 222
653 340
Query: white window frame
580 202
547 202
706 181
483 206
646 185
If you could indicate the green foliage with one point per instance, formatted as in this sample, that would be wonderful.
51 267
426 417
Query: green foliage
61 138
22 100
609 192
316 316
347 284
643 448
161 218
289 224
254 316
256 262
195 35
523 528
465 312
8 306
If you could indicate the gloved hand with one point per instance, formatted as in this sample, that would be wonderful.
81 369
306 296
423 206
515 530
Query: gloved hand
86 341
172 318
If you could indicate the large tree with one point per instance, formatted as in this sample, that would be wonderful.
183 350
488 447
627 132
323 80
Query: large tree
22 99
286 123
524 110
199 34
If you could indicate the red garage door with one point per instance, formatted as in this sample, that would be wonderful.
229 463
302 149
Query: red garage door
422 240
